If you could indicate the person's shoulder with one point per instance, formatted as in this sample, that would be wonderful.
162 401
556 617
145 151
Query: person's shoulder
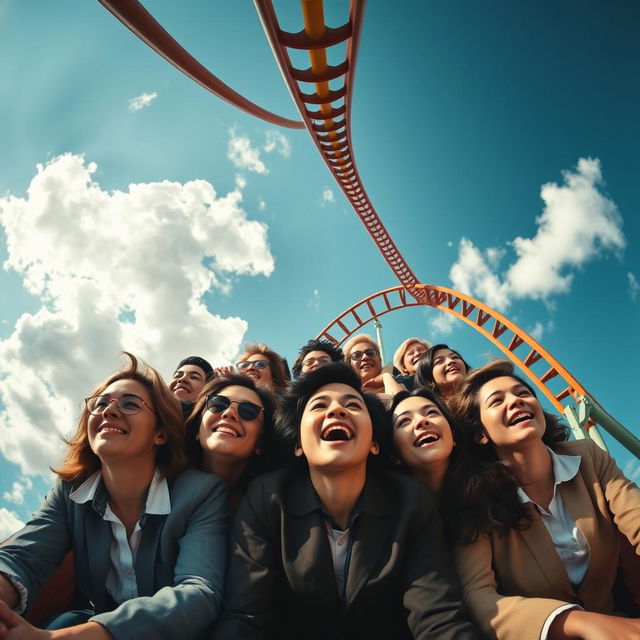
194 481
272 482
585 448
404 489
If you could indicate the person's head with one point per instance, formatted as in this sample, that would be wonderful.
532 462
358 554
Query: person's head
132 415
407 355
315 354
231 424
190 376
501 410
423 433
326 420
441 369
363 355
263 365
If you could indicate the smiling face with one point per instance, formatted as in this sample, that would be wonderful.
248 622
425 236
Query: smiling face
314 360
367 361
412 355
335 429
422 436
187 382
448 369
114 435
511 415
261 377
225 433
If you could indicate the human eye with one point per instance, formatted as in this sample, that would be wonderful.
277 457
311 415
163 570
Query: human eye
433 411
354 404
100 402
402 422
130 402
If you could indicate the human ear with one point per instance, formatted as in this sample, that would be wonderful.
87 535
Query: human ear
374 449
161 438
481 438
298 451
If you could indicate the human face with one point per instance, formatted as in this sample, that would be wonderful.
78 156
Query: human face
411 356
368 366
314 360
335 430
187 382
510 414
261 377
225 433
115 436
422 436
448 369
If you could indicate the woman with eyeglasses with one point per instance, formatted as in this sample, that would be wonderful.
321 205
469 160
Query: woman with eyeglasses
264 366
149 538
363 355
230 432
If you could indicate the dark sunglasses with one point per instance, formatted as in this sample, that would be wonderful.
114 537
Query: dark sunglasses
246 410
257 364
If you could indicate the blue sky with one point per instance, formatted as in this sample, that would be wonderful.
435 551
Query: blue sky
232 229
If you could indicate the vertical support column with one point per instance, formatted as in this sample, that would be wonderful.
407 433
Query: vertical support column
378 325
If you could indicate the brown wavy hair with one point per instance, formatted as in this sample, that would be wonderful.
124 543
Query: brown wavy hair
486 491
276 362
80 461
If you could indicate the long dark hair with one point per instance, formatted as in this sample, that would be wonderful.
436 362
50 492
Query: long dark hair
486 491
423 376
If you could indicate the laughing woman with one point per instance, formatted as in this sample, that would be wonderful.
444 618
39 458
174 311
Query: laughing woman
149 539
333 547
441 369
264 366
538 527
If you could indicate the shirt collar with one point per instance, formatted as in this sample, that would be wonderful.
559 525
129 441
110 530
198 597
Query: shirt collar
565 468
158 500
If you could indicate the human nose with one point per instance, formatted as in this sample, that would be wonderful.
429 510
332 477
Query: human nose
112 407
231 411
336 409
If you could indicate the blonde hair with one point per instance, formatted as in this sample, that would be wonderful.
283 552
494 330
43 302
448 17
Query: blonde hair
398 356
361 337
80 461
275 361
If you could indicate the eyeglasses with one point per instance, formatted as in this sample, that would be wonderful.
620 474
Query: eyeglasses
358 355
127 404
246 410
257 364
321 360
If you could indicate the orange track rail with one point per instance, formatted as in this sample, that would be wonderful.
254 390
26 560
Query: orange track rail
137 19
329 125
515 343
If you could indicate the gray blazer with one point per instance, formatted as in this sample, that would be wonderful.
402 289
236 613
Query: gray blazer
179 566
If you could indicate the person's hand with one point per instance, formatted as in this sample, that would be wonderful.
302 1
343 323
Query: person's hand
587 625
377 384
225 371
15 627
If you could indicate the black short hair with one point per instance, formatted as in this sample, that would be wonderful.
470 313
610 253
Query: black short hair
294 400
424 371
197 361
316 344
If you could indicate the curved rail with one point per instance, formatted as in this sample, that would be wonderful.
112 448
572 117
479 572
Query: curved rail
138 20
326 112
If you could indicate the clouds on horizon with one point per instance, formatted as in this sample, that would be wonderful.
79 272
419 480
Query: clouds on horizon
113 271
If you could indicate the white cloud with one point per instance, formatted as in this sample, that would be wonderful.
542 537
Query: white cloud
16 495
142 101
634 286
113 270
577 224
440 324
314 301
243 155
241 181
9 523
328 195
262 205
276 141
449 244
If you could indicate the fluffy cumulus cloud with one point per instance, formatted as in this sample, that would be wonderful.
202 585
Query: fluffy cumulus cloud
16 495
9 523
276 141
112 270
243 155
142 101
578 223
634 286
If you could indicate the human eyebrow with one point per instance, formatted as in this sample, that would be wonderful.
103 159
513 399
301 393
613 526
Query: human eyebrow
397 416
491 395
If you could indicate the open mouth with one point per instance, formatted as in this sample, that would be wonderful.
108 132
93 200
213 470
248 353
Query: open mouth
520 417
226 430
336 433
426 439
111 429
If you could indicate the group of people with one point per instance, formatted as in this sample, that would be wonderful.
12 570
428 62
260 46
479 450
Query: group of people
423 499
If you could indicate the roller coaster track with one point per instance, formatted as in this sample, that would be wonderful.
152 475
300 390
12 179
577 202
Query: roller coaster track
137 19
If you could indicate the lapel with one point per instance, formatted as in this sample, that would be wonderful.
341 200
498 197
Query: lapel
371 534
306 554
98 548
147 551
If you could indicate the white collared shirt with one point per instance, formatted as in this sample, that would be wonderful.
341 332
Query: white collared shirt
121 578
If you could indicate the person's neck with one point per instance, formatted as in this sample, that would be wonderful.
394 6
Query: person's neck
339 491
126 483
433 475
532 465
229 469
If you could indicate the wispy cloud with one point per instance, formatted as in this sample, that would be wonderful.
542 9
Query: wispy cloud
142 101
314 301
276 141
328 195
243 155
634 286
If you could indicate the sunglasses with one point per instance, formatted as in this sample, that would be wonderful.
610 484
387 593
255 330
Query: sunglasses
358 355
246 410
258 364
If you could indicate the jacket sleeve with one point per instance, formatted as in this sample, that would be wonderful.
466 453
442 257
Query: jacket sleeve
34 553
502 617
254 573
192 604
